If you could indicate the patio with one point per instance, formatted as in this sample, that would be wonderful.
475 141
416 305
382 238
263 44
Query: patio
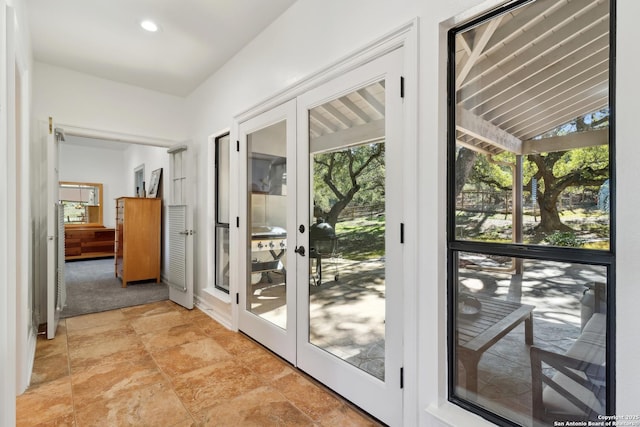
347 319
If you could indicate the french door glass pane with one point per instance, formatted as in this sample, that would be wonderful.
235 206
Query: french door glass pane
267 213
347 232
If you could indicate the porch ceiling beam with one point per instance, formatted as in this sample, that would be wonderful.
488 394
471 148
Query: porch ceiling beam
522 18
483 130
562 24
558 85
566 142
547 108
562 114
355 109
323 121
520 68
356 135
372 101
478 48
337 115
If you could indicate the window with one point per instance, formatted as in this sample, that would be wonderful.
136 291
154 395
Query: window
531 192
222 149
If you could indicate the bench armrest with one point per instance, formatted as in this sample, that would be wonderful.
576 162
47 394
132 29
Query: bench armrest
576 374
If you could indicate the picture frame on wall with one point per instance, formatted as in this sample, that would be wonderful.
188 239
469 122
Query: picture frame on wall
154 185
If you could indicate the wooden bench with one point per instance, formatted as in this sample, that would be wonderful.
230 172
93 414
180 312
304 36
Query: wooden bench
576 392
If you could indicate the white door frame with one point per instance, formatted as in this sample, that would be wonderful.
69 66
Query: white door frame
382 398
281 341
405 36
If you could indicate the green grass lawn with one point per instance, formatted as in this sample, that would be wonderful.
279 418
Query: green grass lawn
361 238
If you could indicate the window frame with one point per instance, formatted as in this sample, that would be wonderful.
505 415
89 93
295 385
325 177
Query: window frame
604 258
217 224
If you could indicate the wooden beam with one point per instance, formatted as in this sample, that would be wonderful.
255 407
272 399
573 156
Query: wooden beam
337 114
561 25
478 48
520 68
481 129
567 142
355 109
323 121
355 135
372 101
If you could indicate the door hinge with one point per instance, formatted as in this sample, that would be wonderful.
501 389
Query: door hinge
402 232
402 377
237 298
401 86
238 146
237 222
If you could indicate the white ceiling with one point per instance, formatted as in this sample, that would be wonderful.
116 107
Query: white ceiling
104 38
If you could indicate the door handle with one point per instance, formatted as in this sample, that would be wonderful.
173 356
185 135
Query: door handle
299 250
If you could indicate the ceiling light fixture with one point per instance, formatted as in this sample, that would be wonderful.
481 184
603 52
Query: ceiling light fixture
150 26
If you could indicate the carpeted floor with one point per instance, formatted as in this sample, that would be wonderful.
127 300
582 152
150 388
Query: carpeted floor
92 287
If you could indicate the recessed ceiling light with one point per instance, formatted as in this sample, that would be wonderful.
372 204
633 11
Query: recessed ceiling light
149 26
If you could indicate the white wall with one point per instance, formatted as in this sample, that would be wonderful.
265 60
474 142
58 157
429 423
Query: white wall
100 165
17 337
311 35
81 100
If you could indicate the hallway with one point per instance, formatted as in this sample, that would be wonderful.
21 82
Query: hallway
161 365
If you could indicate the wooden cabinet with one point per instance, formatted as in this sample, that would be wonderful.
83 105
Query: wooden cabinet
88 242
137 242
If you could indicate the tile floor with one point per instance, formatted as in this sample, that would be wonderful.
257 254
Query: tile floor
162 365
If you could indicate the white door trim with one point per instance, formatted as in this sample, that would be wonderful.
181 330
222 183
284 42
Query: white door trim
405 36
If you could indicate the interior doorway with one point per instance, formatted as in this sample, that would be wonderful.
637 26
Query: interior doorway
119 167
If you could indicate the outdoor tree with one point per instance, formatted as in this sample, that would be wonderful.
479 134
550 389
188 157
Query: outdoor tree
558 171
341 176
554 172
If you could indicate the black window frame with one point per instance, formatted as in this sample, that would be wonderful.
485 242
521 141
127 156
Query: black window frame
218 224
525 251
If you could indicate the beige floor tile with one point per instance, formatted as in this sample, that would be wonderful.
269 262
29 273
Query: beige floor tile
313 400
265 364
149 309
99 334
155 405
171 337
93 320
50 368
155 322
162 365
107 381
344 416
106 351
190 356
236 343
260 407
215 383
44 403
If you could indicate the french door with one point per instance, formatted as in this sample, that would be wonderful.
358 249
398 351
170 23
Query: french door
323 182
267 295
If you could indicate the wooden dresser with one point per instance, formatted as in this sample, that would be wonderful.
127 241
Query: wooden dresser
137 239
88 242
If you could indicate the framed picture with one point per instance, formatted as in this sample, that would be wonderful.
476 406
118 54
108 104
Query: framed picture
154 185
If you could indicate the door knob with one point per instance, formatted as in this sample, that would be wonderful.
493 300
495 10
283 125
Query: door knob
299 250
